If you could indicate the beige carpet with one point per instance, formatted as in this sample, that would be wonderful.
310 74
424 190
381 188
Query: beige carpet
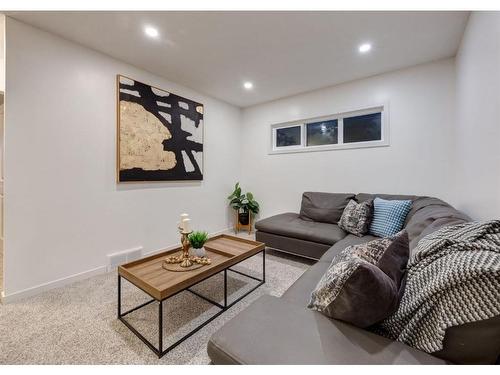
1 266
77 324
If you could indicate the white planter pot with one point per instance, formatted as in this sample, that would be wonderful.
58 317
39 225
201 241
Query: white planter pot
199 252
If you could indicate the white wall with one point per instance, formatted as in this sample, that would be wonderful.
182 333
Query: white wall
477 152
2 52
64 211
421 113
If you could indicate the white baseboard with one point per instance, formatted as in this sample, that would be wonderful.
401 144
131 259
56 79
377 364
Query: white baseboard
29 292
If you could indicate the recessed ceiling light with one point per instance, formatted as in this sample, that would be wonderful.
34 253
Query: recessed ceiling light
151 32
365 47
248 85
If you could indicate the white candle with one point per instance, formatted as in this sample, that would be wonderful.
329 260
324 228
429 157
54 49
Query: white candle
183 216
186 225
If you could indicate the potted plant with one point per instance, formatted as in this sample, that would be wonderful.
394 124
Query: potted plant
197 239
244 204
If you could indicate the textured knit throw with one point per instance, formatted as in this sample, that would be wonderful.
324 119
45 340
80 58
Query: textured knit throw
453 278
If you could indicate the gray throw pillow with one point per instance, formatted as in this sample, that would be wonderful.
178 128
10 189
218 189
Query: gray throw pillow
362 284
356 217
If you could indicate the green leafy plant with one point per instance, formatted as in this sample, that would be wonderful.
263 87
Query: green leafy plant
243 202
197 239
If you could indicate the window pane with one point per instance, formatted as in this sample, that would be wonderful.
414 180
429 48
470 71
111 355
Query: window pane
288 136
322 133
363 128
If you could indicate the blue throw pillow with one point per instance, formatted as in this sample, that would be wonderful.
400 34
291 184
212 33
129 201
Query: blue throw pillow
388 216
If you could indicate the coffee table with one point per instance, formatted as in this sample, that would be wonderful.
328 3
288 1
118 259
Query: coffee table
148 275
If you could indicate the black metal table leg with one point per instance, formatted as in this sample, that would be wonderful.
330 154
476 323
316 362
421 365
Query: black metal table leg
160 329
225 288
264 265
119 296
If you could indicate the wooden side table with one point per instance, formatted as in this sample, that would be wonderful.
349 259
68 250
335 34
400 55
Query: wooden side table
238 226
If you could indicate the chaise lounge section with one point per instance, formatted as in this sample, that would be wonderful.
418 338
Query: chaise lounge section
284 331
308 234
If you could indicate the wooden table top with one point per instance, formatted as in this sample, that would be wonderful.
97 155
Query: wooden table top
149 275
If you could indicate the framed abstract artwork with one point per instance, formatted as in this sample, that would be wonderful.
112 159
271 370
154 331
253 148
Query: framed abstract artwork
159 134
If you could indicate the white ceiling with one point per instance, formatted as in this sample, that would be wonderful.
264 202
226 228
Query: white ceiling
282 53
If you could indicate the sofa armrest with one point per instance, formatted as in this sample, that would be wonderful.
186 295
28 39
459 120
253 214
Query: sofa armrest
274 331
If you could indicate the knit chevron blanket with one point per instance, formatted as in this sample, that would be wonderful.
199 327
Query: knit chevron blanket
453 278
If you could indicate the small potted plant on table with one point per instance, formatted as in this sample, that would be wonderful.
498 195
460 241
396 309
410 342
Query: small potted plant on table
197 240
245 205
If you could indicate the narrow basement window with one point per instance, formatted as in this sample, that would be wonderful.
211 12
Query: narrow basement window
322 133
366 127
363 128
289 136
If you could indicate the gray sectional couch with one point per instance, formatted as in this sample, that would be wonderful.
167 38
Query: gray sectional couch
299 234
284 331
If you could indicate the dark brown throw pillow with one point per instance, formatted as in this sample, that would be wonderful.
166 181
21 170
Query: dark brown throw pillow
356 217
362 284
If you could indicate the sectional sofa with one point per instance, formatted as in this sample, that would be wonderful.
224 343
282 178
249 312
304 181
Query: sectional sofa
284 331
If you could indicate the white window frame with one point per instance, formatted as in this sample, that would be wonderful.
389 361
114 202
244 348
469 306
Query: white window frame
288 148
367 110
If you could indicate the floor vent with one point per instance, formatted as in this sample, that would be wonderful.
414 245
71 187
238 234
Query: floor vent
120 257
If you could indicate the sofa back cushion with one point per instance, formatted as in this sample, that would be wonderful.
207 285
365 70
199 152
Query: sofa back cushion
427 214
323 207
430 214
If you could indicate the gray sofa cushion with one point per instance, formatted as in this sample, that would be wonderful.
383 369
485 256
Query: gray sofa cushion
292 225
472 343
434 226
428 215
324 207
300 292
308 249
361 197
274 331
